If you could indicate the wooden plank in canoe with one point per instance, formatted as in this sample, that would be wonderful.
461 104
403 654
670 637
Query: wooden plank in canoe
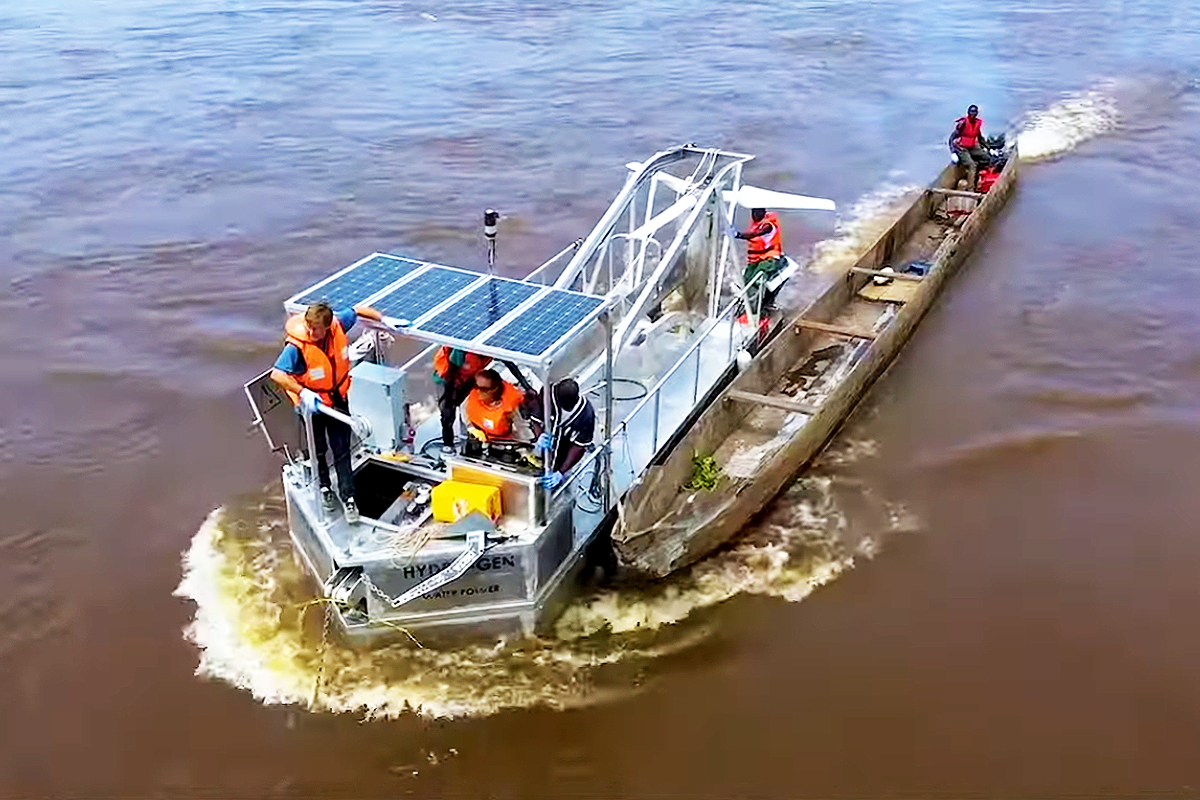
903 276
784 403
889 293
836 330
956 193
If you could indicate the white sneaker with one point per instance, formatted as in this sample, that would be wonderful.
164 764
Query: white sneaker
351 510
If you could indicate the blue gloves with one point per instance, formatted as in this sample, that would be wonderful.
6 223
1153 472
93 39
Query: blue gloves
543 444
310 401
552 481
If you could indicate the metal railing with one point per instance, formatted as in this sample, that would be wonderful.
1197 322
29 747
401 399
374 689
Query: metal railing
559 259
635 440
669 402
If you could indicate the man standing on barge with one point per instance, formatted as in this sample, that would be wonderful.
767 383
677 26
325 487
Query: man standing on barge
314 370
764 253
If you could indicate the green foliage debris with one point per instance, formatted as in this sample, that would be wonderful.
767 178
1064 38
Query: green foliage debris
705 473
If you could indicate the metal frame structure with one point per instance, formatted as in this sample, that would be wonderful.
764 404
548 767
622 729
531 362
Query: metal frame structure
624 257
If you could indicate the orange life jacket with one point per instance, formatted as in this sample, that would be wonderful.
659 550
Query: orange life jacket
968 132
472 363
324 371
763 247
495 421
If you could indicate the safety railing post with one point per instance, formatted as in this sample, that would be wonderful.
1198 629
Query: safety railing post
314 481
657 405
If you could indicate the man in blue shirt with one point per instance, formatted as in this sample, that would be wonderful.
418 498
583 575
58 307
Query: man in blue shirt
571 432
314 369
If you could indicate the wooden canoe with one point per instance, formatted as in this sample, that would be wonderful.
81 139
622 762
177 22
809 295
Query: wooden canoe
777 414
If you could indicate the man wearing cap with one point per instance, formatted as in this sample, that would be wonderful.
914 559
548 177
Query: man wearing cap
966 142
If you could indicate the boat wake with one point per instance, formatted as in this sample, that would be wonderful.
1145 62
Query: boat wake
258 628
869 218
1068 123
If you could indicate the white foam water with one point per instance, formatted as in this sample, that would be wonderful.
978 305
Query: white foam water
869 218
257 626
1067 124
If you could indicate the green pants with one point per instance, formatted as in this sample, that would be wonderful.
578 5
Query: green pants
971 159
756 276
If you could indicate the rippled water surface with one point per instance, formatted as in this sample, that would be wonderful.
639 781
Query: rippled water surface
987 586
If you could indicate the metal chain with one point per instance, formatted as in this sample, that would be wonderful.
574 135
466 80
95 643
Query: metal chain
320 682
391 601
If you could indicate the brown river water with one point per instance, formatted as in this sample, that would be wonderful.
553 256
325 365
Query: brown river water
988 586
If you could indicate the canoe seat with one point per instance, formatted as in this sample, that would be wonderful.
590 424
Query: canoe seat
890 293
901 276
784 403
836 330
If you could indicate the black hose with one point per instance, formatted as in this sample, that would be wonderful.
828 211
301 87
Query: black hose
598 390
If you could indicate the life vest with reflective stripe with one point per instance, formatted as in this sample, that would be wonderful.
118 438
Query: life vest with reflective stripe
761 247
968 131
324 372
495 421
472 363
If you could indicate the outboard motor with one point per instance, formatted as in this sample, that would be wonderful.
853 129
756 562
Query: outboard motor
997 152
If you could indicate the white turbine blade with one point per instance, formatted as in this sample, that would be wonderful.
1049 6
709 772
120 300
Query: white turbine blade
673 212
678 184
754 197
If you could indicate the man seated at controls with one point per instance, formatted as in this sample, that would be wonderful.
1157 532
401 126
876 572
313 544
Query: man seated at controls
966 143
492 408
314 370
571 432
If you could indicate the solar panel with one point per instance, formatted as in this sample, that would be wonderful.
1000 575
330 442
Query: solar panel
540 327
360 282
481 309
417 296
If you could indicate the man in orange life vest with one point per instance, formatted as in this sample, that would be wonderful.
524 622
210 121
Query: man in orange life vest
454 372
314 369
965 143
764 252
492 406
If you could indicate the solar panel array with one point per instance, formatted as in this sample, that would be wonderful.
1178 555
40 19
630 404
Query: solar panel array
540 327
406 289
360 282
415 297
481 309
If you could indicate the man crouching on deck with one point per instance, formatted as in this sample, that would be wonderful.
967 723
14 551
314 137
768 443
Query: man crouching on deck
314 369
